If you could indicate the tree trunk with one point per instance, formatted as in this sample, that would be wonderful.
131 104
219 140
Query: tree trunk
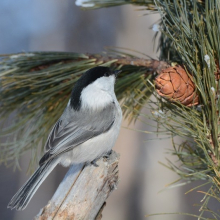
83 191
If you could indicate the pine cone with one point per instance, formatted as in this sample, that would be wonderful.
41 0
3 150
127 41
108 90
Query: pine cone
174 84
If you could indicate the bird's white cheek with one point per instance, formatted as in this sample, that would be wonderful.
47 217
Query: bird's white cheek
94 98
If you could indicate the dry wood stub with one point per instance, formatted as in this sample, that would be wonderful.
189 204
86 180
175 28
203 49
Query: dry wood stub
83 191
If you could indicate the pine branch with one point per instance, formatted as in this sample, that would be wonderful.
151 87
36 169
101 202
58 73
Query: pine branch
47 59
152 65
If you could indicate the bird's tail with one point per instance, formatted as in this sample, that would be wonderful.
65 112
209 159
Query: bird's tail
21 199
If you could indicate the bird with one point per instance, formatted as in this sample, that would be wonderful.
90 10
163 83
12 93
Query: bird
87 130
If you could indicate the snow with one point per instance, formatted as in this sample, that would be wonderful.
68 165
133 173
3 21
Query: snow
155 28
207 59
84 3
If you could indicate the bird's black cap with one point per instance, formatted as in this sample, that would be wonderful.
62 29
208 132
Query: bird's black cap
87 78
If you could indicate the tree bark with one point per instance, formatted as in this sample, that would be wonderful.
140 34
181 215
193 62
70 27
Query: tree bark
83 191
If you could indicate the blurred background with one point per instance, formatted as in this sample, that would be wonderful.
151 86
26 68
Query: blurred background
55 25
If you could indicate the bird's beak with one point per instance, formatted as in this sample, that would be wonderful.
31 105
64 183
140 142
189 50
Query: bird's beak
116 72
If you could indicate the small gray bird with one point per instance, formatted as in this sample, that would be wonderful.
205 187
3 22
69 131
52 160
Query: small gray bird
87 130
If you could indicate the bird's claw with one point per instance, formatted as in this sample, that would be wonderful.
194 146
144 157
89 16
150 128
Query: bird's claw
107 155
94 163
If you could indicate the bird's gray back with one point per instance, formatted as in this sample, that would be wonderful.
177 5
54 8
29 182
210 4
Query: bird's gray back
76 127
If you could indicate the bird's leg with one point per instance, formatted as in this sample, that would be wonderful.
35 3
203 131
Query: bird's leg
107 154
94 162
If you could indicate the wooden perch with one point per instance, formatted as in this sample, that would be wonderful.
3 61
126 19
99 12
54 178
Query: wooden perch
83 191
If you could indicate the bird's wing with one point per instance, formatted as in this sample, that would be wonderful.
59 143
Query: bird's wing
74 128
